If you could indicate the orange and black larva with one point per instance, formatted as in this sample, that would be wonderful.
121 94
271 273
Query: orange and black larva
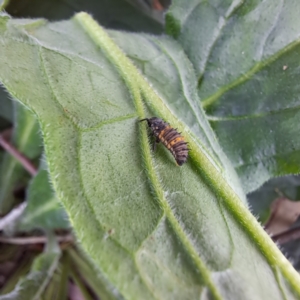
169 136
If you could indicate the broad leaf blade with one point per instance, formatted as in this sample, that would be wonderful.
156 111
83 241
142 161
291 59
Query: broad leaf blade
172 233
167 68
246 58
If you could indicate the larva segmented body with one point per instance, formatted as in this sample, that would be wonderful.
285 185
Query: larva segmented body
171 139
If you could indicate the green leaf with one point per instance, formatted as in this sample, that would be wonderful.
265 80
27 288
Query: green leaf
43 210
246 57
155 230
33 284
27 140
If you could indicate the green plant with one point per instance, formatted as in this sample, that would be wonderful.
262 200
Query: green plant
155 230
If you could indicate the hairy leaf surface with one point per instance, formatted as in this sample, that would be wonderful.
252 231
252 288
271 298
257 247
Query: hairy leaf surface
156 230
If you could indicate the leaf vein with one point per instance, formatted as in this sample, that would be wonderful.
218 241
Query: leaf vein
246 76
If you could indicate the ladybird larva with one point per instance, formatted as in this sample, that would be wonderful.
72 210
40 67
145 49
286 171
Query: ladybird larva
169 136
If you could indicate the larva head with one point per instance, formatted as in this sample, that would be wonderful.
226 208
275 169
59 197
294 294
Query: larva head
155 123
